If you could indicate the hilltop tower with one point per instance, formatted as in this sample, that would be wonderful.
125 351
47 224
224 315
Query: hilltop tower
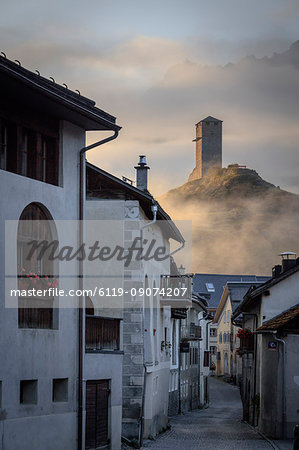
208 146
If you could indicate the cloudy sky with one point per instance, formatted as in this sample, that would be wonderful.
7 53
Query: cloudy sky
161 66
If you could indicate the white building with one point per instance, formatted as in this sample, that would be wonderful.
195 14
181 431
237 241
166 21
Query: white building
271 312
147 323
43 127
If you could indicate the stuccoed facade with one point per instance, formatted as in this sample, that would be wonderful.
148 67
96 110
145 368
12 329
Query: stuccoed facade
229 363
39 363
271 406
146 321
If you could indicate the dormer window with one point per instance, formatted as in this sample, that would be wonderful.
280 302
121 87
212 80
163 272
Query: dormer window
210 287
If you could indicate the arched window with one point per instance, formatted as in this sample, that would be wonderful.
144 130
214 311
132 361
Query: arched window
174 343
155 322
89 308
35 269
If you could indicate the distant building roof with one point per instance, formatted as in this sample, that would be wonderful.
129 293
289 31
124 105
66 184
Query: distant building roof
236 291
201 282
288 318
102 184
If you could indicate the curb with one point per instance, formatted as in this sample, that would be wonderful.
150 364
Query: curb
273 445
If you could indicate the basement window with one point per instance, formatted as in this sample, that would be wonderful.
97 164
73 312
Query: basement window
60 390
28 392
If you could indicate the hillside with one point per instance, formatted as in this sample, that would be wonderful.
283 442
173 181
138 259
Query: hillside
240 222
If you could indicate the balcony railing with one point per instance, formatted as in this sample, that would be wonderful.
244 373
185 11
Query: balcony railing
176 291
191 332
101 333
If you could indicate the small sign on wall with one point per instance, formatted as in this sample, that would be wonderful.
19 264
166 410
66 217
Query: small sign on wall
272 345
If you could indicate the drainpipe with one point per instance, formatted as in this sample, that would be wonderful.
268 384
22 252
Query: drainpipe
81 301
283 384
141 425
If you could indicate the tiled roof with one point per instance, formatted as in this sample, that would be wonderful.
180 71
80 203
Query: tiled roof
281 320
219 281
254 294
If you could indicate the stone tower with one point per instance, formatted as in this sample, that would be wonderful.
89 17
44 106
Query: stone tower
208 146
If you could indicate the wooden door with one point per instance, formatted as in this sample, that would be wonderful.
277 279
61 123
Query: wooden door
96 431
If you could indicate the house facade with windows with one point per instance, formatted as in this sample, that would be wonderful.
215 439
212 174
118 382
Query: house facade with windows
187 386
211 287
228 362
43 127
270 313
146 314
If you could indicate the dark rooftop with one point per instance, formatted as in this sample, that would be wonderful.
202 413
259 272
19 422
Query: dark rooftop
18 84
236 291
210 118
254 294
104 185
201 287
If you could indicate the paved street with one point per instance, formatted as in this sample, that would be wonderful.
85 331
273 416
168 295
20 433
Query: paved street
217 427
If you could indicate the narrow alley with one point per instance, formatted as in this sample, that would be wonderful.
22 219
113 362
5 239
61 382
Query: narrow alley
217 427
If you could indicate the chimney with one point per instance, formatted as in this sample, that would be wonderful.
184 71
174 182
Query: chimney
288 260
276 271
181 270
141 171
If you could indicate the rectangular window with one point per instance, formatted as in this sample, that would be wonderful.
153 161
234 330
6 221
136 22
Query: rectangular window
60 390
206 360
29 153
220 338
32 316
23 153
213 350
174 344
102 333
3 144
213 332
28 392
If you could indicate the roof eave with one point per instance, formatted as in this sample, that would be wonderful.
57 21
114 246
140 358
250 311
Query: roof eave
83 112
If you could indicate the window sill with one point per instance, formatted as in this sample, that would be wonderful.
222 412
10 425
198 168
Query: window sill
106 352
